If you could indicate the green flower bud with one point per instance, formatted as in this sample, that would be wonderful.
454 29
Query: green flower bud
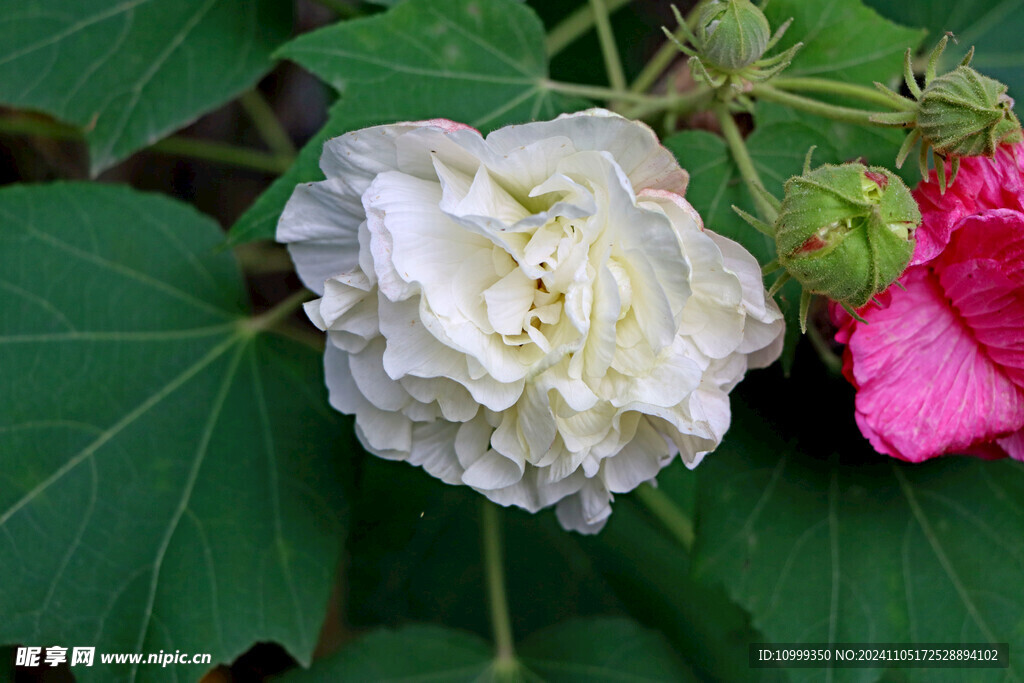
732 34
963 113
846 231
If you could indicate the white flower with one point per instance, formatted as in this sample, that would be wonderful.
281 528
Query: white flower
539 315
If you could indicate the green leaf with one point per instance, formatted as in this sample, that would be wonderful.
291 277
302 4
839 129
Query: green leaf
170 475
598 649
420 652
415 555
778 151
650 571
842 39
481 63
858 547
129 73
477 62
991 26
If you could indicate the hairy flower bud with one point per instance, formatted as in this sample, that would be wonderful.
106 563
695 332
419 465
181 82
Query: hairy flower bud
733 34
846 231
963 113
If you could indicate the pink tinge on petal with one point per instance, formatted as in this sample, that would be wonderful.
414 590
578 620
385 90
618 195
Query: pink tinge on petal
446 125
925 385
1013 445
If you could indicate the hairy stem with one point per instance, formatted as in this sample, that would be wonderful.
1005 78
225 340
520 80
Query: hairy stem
207 150
265 120
833 87
501 622
575 25
675 521
860 117
741 155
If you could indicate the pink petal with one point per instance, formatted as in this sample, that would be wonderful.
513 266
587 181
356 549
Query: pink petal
982 184
926 387
1013 445
982 273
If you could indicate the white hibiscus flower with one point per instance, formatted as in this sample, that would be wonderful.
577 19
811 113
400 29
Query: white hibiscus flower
537 314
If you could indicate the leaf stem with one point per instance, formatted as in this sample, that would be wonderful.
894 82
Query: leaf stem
646 104
275 315
675 521
609 50
741 155
490 524
597 92
860 117
657 64
267 124
575 25
207 150
832 362
833 87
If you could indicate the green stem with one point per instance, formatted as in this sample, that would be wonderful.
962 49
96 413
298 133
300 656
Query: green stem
665 55
222 153
860 117
575 25
501 622
681 104
609 50
646 104
657 64
675 521
276 315
265 120
208 150
597 92
829 86
741 155
831 361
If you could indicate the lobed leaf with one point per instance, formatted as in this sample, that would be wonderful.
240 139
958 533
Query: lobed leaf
480 63
170 479
129 73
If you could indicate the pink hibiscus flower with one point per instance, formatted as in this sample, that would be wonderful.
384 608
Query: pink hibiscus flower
940 366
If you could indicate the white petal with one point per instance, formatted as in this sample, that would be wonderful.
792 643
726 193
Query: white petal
493 471
320 224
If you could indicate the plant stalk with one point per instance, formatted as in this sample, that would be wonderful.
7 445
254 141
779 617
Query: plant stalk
494 567
575 25
860 117
741 155
833 87
675 521
207 150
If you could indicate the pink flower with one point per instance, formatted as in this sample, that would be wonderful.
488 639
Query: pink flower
940 366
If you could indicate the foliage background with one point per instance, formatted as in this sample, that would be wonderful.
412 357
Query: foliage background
183 528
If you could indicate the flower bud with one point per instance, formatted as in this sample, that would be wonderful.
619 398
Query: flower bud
846 231
733 34
963 113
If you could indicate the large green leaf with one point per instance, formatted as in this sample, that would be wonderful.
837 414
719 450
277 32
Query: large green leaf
991 26
129 73
170 477
842 39
825 541
580 650
481 63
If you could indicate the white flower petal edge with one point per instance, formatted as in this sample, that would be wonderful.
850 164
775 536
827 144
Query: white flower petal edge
539 315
